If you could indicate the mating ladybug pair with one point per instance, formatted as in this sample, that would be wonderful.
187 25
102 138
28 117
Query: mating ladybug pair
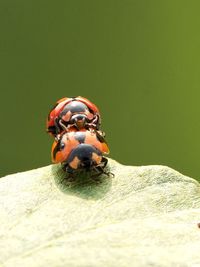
79 143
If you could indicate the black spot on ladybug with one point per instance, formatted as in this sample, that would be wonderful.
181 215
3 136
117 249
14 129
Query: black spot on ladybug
80 137
74 107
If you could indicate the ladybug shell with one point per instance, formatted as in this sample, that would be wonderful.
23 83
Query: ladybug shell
62 149
55 111
59 106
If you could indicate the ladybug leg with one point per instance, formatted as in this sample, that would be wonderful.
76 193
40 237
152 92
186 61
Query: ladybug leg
70 172
91 125
100 169
103 165
104 162
95 177
65 128
57 128
94 123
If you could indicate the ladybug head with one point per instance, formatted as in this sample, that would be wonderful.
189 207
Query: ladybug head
79 120
84 156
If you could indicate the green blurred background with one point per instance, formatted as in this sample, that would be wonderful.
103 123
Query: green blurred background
138 61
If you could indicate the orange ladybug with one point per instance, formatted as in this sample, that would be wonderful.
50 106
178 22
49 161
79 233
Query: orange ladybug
73 113
81 150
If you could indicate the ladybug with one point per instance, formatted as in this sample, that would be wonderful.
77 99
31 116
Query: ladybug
74 113
79 151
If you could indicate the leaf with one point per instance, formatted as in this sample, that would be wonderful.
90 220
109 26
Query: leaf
144 216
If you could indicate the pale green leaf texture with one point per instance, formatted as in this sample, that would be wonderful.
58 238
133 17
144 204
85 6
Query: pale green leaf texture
144 216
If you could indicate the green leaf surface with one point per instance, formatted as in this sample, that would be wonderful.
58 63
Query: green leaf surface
144 216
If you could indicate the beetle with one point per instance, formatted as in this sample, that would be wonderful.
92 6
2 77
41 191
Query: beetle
73 113
81 151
